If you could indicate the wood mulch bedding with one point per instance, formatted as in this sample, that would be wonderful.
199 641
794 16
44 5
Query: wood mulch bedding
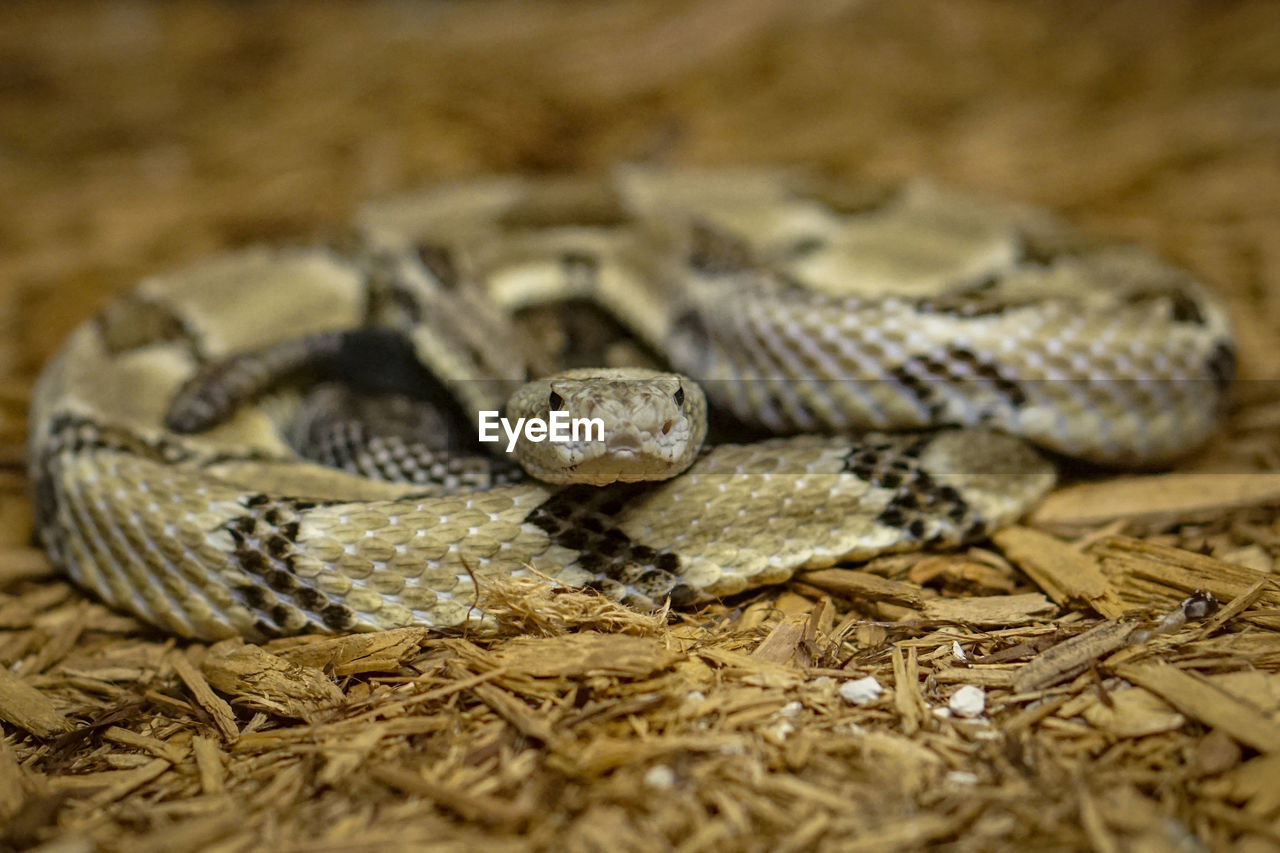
1106 676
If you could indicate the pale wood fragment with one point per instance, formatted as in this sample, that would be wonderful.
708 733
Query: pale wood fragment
1131 562
28 708
1130 713
1155 495
23 563
780 645
109 785
158 748
1206 702
12 793
491 811
586 655
209 765
1253 783
223 717
863 586
990 609
1066 575
1072 656
265 682
381 651
516 713
906 689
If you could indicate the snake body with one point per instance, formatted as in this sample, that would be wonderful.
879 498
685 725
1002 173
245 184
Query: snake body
806 309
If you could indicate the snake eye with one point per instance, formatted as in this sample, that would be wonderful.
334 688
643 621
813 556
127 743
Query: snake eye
556 402
679 396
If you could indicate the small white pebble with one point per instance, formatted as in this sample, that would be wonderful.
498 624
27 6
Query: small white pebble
790 709
660 776
779 731
863 691
968 701
962 777
957 652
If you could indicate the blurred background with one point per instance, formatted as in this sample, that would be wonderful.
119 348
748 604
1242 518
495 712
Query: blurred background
135 135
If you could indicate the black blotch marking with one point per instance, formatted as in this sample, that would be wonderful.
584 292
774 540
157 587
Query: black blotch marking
255 596
282 581
582 519
266 630
311 599
278 546
282 614
1222 366
684 595
716 251
255 562
338 617
668 562
1184 308
891 516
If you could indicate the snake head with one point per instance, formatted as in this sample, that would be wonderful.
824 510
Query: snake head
608 425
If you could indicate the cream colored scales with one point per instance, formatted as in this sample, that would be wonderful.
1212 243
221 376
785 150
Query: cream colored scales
947 310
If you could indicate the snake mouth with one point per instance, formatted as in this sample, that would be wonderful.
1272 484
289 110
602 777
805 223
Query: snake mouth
623 466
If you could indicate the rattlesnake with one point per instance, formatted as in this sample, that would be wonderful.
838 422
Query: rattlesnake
805 308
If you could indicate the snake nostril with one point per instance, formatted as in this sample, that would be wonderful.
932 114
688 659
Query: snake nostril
667 426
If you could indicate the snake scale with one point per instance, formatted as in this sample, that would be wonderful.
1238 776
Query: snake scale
942 331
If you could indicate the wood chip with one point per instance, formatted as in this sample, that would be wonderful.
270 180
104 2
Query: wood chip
12 789
587 656
1066 575
28 708
906 689
23 564
487 810
383 651
264 682
781 643
209 764
1206 703
863 586
1154 496
110 785
1072 656
223 717
990 610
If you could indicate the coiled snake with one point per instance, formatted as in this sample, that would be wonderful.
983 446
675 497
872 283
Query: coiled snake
177 440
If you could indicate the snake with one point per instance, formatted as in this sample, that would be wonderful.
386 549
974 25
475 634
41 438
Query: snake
284 439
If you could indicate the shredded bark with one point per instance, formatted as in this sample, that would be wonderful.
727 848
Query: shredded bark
1106 676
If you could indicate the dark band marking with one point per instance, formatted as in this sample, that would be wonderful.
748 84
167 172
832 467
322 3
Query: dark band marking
715 251
1222 366
919 503
1183 306
439 261
265 542
582 519
135 322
